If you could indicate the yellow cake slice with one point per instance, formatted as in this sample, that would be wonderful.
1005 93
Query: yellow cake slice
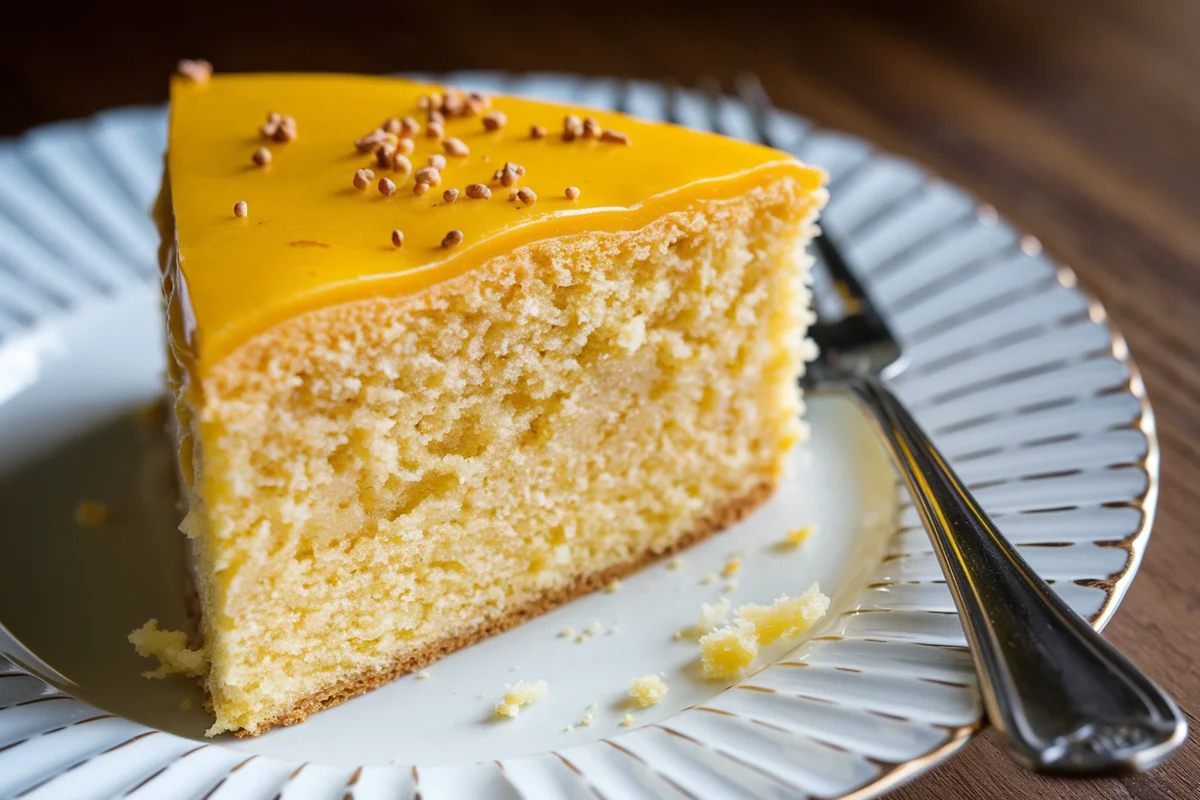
410 418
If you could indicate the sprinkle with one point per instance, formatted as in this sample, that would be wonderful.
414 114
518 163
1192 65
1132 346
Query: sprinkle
627 720
89 514
420 188
261 157
405 146
732 567
401 164
363 178
567 632
240 209
613 587
797 536
615 137
384 154
709 578
286 132
397 239
429 175
363 144
477 191
572 128
453 239
455 147
572 193
409 127
196 70
434 130
423 675
537 132
675 563
494 120
437 161
526 196
450 195
591 128
478 103
391 125
387 187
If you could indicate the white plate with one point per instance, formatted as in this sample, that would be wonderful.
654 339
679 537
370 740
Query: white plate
1015 373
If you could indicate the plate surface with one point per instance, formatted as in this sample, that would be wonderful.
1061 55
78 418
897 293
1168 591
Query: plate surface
1015 373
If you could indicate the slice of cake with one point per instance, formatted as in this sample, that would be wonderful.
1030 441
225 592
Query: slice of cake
443 362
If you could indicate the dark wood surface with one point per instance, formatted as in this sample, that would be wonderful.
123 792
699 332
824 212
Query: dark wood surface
1078 119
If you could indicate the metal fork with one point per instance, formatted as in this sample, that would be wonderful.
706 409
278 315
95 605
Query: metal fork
1064 700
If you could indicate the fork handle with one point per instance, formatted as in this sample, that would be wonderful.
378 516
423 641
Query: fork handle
1063 699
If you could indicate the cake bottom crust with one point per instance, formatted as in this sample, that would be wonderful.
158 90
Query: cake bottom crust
343 690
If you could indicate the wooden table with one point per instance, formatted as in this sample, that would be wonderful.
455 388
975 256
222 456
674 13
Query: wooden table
1078 119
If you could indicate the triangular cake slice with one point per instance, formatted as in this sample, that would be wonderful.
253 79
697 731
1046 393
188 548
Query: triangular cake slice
395 444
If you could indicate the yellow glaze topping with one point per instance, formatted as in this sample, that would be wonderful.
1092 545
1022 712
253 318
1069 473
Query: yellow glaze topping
309 238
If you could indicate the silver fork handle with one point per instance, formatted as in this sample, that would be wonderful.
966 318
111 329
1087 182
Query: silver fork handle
1064 700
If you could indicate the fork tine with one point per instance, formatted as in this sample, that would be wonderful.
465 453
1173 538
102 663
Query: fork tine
622 92
674 92
758 103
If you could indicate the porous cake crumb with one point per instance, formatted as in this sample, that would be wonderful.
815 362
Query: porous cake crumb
647 690
170 648
787 616
92 514
519 695
727 651
587 720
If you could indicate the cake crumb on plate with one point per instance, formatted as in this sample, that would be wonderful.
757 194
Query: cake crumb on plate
648 690
171 650
519 695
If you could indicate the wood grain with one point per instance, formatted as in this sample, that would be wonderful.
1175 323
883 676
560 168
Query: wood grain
1078 119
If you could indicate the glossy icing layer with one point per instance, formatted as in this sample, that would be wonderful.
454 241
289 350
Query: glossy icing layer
311 239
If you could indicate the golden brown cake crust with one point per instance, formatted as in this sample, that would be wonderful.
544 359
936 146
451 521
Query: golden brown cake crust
343 690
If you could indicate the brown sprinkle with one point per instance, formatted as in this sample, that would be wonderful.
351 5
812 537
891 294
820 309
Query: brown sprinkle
387 187
450 195
409 127
286 130
455 147
436 116
453 239
384 154
196 70
615 137
363 178
363 144
537 132
405 146
526 195
429 175
454 104
434 130
391 125
426 102
397 239
572 128
512 196
591 128
478 103
401 164
420 188
572 193
240 209
437 161
261 157
477 191
494 120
